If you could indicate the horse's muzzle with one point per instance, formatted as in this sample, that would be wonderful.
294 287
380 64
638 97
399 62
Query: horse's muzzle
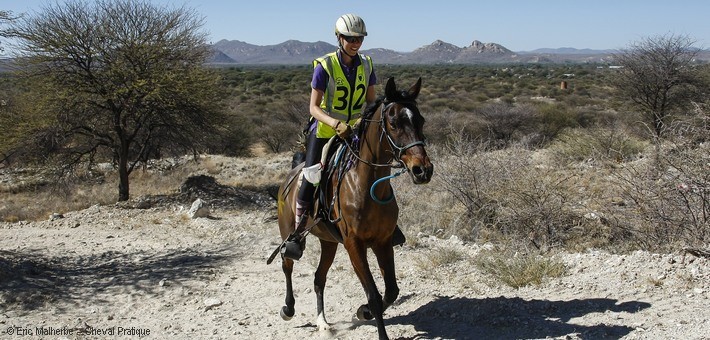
421 174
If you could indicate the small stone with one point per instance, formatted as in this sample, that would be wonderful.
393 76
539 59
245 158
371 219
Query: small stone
211 303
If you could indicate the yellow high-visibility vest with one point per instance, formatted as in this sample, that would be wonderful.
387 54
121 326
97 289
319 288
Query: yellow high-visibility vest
342 100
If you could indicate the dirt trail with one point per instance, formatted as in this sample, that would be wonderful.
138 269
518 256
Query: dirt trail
110 272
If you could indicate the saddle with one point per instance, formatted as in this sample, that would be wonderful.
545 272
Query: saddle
332 166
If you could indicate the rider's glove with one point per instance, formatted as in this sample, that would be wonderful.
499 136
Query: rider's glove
343 130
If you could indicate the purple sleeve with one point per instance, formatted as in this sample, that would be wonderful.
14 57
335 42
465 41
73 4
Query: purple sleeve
320 78
373 78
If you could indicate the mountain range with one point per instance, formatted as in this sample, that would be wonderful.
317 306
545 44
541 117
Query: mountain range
294 52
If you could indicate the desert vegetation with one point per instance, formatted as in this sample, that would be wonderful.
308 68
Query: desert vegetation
539 156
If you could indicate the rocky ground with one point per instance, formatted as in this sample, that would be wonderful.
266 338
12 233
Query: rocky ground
123 272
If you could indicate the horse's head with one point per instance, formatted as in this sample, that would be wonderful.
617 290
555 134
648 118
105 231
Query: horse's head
403 124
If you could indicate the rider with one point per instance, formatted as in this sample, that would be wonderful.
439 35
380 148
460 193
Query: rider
343 84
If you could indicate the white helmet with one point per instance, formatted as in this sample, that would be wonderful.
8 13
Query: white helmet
350 25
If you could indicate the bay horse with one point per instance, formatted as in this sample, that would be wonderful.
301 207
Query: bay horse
365 211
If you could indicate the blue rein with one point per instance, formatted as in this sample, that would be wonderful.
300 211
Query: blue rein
388 199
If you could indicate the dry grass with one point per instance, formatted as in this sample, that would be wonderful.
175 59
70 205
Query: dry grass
32 196
597 145
438 258
519 270
513 196
39 202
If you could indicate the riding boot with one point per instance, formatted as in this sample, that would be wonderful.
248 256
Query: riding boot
398 237
293 247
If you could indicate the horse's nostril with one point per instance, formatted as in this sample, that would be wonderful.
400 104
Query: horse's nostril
417 171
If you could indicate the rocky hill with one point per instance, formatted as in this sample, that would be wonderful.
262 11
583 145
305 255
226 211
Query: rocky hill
296 52
288 52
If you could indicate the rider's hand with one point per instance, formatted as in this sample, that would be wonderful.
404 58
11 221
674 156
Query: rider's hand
343 130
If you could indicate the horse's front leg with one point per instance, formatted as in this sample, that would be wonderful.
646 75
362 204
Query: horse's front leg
327 255
385 259
358 257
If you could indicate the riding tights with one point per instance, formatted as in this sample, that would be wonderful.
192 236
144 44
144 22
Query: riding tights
314 148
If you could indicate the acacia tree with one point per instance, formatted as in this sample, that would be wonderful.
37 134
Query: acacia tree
659 77
121 77
5 18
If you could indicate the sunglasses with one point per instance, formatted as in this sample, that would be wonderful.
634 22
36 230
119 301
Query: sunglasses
353 39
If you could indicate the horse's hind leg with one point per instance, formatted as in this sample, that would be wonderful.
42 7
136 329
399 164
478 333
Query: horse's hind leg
288 310
327 255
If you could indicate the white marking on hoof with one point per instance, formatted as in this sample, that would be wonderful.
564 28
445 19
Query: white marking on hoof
323 325
361 313
284 316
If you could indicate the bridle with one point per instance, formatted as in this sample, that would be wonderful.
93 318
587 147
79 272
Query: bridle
399 149
396 161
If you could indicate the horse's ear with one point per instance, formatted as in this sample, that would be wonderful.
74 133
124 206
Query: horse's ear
390 89
414 90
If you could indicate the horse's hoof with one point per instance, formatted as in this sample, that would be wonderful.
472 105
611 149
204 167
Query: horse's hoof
285 313
363 313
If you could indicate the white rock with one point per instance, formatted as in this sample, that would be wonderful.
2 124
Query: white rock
199 208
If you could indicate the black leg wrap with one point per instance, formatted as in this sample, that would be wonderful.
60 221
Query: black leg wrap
398 237
292 248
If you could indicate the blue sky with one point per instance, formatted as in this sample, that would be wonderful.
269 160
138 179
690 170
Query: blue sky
406 25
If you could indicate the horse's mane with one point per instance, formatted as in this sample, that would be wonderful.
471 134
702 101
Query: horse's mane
372 107
399 96
367 114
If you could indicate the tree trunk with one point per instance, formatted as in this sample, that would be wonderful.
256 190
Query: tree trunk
657 158
123 189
